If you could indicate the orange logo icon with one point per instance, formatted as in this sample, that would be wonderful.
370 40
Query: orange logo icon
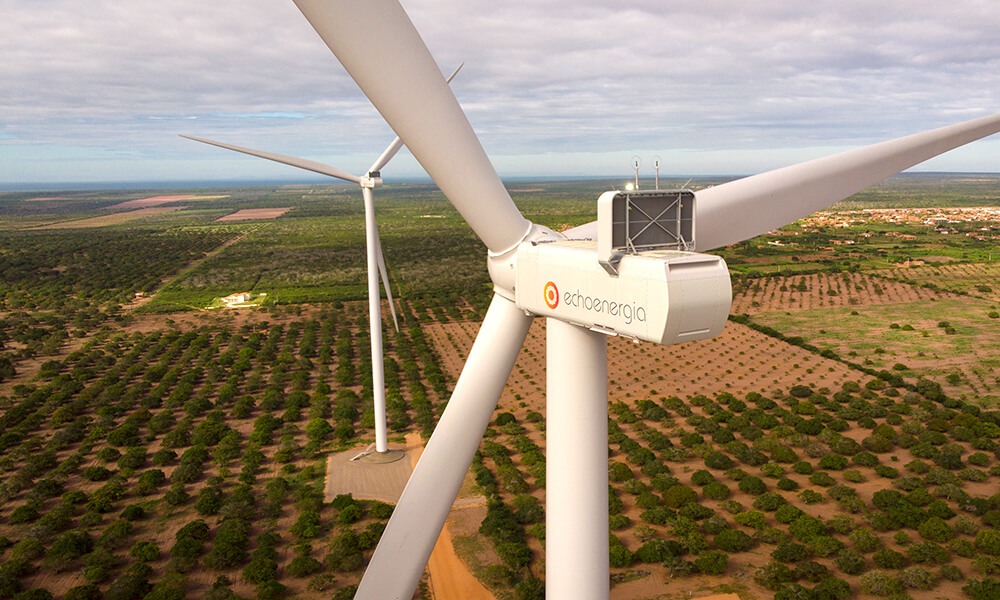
551 294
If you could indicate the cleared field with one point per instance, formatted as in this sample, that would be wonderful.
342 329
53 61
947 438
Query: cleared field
158 200
823 290
113 219
975 279
964 360
256 214
739 361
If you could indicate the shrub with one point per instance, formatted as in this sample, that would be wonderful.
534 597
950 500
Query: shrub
716 491
988 541
805 528
986 589
701 477
751 518
658 550
917 578
69 547
888 559
678 495
84 592
865 540
927 552
303 566
853 476
260 570
308 524
851 561
753 485
886 471
951 573
811 571
787 484
134 583
344 554
880 583
619 472
619 555
773 575
832 588
145 551
733 540
810 497
787 513
865 459
176 495
936 529
718 460
713 562
833 461
789 552
770 535
769 501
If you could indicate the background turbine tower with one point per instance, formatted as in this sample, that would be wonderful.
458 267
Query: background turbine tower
683 295
367 182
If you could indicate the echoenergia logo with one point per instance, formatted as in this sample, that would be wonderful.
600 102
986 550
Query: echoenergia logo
551 295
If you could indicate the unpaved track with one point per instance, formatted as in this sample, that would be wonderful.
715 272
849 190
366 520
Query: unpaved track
450 577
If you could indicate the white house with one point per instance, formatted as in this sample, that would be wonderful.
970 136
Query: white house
239 298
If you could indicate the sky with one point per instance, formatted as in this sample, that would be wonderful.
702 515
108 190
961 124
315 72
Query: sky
97 91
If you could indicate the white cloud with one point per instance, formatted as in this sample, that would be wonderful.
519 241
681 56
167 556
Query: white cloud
718 81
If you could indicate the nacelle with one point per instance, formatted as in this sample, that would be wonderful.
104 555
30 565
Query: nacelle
660 296
372 180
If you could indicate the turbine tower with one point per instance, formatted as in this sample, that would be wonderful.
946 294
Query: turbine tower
368 182
683 295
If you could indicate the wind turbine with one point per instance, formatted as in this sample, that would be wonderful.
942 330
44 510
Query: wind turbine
379 46
368 182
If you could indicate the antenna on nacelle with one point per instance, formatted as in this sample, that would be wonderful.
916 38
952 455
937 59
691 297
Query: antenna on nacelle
656 165
636 163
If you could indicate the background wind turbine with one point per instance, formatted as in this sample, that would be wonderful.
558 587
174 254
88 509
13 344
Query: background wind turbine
378 45
367 182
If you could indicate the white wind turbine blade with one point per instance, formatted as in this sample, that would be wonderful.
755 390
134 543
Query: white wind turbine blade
378 45
406 544
397 143
587 231
745 208
302 163
385 278
385 157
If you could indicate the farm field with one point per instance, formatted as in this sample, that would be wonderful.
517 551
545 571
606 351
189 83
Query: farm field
158 200
973 279
114 219
153 449
254 214
953 341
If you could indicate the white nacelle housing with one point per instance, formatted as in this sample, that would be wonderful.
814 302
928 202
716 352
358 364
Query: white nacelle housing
661 296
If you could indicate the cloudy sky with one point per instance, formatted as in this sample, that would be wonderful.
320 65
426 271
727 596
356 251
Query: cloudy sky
98 90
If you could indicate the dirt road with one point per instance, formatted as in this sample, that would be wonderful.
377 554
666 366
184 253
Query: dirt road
450 577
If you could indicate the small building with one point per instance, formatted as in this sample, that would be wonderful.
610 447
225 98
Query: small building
239 298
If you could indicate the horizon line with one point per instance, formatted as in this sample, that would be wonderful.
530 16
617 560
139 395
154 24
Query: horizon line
173 184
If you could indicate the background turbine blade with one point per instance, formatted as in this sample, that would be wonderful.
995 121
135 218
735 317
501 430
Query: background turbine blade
379 47
745 208
308 165
587 231
385 279
399 560
397 143
387 154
